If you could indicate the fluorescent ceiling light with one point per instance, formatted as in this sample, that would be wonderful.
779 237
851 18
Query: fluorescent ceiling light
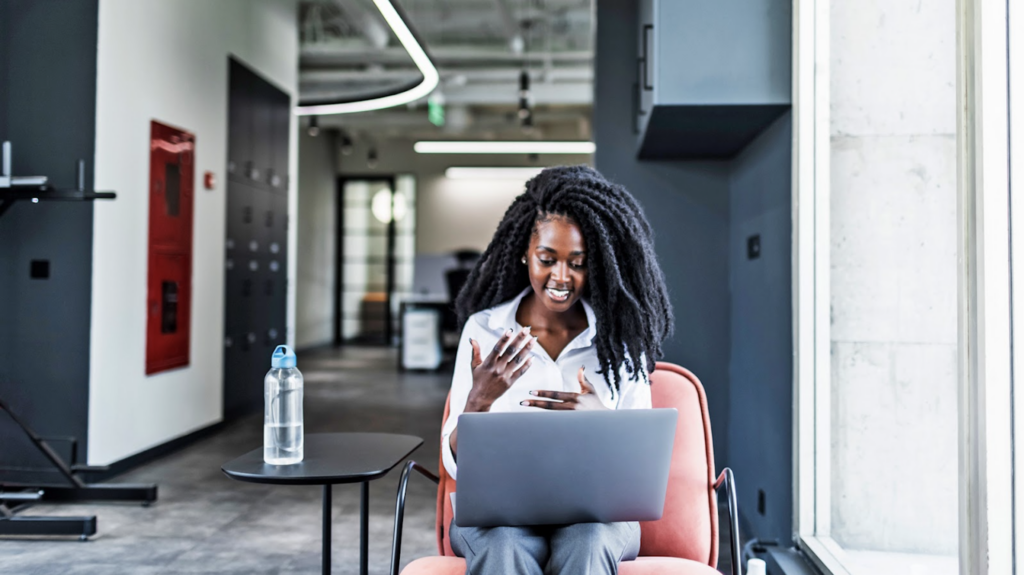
419 57
504 147
521 174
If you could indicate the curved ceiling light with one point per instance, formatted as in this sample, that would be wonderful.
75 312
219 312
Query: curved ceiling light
419 57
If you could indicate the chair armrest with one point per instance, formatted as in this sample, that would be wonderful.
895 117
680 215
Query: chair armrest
396 543
726 478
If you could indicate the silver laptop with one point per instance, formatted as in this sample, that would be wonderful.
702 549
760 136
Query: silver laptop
554 468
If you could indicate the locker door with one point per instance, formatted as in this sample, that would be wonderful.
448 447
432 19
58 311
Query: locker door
279 230
281 117
279 262
239 120
240 215
236 377
263 132
261 222
275 291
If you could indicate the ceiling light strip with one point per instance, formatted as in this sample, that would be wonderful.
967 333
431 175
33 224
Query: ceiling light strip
419 57
495 173
442 147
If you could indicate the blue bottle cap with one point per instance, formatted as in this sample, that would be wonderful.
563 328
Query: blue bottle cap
283 357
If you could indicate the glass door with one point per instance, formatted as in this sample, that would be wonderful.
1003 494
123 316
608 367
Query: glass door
376 247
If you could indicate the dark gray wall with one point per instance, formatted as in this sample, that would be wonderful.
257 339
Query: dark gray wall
761 366
723 52
48 112
686 202
4 64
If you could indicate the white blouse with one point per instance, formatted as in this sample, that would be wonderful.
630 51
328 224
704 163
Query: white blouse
558 374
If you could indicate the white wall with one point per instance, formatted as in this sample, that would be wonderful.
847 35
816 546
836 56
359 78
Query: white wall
451 214
317 240
167 60
458 214
893 276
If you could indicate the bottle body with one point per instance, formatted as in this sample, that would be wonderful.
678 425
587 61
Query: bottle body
282 416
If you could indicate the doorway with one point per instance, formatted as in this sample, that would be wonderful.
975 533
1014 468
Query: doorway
376 249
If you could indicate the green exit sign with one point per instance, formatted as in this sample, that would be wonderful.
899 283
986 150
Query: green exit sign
435 111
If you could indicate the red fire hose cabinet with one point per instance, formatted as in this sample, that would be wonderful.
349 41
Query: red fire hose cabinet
169 301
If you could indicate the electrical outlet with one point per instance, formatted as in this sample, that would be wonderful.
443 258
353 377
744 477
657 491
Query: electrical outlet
754 247
760 502
39 270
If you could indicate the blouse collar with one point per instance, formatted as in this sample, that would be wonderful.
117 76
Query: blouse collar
503 316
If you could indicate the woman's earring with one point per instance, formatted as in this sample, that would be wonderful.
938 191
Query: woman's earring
524 260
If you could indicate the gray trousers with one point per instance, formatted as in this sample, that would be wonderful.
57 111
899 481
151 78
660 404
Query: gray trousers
580 549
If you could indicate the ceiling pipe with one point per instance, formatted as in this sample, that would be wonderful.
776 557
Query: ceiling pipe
470 75
348 53
375 33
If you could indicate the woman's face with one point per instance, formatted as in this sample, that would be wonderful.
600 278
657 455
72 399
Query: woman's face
557 263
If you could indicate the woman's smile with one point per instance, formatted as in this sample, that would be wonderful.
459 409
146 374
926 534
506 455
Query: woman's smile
559 295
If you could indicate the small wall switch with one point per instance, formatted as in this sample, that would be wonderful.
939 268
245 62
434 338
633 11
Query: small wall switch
754 247
760 502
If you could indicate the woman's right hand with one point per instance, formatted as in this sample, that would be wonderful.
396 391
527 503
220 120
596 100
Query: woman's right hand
493 375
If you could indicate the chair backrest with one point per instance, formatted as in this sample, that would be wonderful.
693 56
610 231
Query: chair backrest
445 488
689 527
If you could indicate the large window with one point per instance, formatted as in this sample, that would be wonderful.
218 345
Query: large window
903 285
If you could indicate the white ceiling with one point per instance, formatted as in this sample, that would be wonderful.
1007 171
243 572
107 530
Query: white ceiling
479 47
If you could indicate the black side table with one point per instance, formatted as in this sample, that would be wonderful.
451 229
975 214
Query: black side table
332 458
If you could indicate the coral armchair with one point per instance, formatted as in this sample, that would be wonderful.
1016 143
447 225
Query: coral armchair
683 542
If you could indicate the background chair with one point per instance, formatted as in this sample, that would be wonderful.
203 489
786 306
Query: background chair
683 542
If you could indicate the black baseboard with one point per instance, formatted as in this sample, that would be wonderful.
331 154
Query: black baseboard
789 561
152 454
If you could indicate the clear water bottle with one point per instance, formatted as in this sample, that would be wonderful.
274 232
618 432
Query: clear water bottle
282 416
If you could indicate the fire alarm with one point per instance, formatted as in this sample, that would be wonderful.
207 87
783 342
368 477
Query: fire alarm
209 180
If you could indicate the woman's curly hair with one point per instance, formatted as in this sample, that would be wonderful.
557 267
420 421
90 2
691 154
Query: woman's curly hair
625 286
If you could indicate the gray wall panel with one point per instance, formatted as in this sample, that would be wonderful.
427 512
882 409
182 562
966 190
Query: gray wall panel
687 204
722 52
48 112
761 365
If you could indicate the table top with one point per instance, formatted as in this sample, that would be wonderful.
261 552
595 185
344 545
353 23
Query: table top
329 458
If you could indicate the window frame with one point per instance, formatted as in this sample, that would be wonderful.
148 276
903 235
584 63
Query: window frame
986 401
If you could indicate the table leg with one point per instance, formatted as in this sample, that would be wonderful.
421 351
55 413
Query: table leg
325 560
364 528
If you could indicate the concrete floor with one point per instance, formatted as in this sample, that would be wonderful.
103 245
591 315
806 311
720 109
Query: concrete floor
204 522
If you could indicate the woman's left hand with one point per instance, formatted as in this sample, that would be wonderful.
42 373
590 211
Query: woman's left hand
567 400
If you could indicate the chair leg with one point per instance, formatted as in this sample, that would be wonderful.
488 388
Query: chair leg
396 542
727 479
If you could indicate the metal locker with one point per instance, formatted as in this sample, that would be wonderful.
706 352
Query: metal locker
263 132
280 118
239 120
260 230
240 216
257 207
279 233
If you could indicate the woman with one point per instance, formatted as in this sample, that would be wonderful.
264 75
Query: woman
567 294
